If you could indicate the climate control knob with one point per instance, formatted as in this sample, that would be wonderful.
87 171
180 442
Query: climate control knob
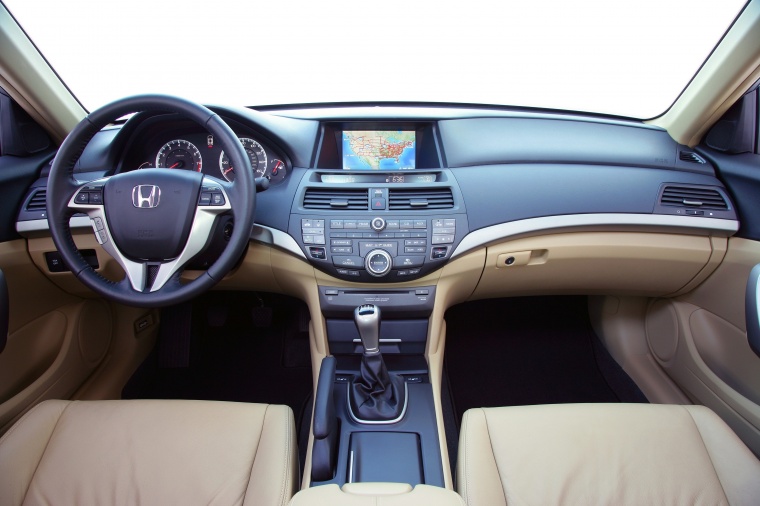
377 224
378 262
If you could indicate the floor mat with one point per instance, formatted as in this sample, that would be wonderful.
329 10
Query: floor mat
531 350
241 347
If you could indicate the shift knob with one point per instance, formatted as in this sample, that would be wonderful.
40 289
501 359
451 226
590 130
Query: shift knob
367 319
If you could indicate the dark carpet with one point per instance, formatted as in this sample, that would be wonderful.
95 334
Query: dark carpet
529 350
230 346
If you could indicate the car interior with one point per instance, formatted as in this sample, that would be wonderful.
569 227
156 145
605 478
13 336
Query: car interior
379 302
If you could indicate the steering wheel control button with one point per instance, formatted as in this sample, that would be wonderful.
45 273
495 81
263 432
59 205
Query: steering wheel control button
98 222
378 224
205 199
82 198
217 199
378 262
101 236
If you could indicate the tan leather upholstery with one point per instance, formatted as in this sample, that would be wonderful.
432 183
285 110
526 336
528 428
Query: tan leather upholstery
376 494
149 452
603 454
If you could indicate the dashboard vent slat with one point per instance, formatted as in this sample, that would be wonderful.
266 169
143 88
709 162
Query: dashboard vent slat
419 199
690 156
702 198
336 199
38 201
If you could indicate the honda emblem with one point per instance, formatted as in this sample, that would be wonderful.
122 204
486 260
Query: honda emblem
146 195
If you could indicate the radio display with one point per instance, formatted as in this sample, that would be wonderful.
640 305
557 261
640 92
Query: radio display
379 149
378 178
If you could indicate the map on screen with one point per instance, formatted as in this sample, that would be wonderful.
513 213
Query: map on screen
379 149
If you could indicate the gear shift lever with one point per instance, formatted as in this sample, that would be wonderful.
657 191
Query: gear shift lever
367 318
375 396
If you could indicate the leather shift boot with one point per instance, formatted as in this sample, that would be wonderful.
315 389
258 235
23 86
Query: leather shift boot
376 395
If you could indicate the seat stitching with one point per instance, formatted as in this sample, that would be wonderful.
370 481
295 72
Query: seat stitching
52 433
490 441
702 439
255 453
465 465
286 471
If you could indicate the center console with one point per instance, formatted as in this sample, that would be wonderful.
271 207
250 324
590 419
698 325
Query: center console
380 209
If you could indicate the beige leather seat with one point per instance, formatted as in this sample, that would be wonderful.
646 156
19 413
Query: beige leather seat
149 452
603 454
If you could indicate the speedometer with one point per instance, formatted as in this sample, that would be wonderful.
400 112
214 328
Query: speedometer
179 154
256 155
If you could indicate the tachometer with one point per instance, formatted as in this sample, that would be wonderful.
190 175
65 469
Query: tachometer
179 154
256 154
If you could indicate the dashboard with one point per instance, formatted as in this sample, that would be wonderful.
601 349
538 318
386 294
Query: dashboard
392 194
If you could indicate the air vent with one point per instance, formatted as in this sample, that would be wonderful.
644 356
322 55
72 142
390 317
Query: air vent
690 156
336 199
700 198
421 199
38 201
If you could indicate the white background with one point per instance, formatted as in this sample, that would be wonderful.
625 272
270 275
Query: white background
629 58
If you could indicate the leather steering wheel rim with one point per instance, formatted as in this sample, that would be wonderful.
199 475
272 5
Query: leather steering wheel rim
62 186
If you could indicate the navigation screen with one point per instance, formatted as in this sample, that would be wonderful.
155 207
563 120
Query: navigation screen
379 149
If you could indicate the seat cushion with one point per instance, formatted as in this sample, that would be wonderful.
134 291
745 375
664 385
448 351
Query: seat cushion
603 454
149 452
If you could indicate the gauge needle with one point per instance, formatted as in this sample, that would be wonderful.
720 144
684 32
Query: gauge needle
228 170
276 168
176 164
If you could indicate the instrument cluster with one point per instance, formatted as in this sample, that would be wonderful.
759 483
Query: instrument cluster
200 152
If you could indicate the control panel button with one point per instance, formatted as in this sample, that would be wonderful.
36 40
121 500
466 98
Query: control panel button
340 242
442 239
378 203
404 261
414 249
318 253
378 224
392 224
406 224
420 224
378 262
336 223
347 261
415 242
366 246
363 224
349 224
342 250
439 252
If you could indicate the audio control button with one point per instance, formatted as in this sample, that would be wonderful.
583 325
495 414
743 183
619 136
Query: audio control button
378 262
347 261
378 224
404 261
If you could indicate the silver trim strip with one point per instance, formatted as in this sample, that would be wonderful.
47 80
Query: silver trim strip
653 222
377 422
278 238
381 341
351 467
25 227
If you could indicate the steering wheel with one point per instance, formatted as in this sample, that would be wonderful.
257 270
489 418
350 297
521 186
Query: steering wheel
151 221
